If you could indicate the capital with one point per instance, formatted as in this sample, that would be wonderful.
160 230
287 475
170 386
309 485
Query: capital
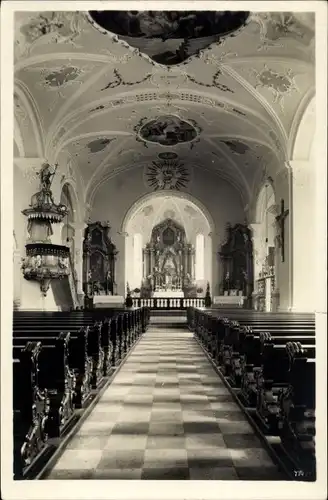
79 226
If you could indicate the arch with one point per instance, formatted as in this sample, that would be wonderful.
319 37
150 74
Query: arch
303 129
201 222
32 112
264 242
165 192
68 191
200 257
18 140
266 194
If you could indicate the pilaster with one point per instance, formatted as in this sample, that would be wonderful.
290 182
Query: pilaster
79 228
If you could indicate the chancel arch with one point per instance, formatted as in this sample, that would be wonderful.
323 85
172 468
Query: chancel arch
165 227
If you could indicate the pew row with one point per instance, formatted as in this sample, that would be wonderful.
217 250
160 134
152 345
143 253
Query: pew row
60 361
270 366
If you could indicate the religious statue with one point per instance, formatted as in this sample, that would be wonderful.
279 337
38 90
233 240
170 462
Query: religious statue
280 225
46 174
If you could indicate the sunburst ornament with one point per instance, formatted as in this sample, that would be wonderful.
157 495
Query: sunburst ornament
167 173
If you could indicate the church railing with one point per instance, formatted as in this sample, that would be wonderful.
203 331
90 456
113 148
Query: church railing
168 302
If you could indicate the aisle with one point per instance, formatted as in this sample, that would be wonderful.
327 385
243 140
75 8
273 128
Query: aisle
166 415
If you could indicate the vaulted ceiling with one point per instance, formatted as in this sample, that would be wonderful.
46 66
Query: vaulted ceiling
231 108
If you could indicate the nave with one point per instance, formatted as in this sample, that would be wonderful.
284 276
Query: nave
166 415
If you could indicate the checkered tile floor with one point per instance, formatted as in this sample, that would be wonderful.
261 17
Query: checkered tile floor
166 415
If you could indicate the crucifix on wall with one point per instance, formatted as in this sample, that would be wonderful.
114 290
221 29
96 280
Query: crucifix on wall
281 225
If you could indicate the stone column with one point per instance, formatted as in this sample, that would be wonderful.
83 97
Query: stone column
258 249
258 257
192 264
303 235
151 259
79 228
17 262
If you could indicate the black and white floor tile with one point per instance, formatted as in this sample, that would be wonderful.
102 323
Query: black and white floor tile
166 415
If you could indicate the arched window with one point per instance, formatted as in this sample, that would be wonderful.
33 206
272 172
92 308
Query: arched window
200 257
137 260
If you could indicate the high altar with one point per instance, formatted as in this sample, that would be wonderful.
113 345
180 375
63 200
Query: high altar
168 261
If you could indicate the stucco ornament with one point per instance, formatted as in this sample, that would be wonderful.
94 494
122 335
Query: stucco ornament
58 78
275 27
169 173
47 27
280 84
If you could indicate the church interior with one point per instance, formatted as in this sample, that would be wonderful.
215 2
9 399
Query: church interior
164 222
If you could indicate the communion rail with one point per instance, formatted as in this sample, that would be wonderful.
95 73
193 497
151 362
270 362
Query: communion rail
168 303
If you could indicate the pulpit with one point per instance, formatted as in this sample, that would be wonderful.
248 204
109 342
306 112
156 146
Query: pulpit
99 256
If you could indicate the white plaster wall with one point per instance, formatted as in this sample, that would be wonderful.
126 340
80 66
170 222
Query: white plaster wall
27 293
304 214
26 183
304 238
116 196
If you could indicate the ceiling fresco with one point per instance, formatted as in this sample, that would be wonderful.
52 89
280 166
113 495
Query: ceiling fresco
168 130
168 37
218 91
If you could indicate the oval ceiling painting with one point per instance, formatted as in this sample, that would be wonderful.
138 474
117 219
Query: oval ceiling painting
168 130
169 37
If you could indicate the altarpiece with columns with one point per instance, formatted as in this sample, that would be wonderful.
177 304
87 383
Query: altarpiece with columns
168 259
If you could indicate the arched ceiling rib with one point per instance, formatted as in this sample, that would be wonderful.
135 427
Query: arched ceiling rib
95 95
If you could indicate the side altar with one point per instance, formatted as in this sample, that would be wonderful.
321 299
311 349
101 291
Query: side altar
236 255
168 263
99 259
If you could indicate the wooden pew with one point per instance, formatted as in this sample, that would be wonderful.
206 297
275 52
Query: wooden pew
72 352
79 355
54 377
30 408
272 360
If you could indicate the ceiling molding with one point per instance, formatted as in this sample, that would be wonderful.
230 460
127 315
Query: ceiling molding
25 63
33 114
100 133
273 59
243 138
103 164
232 163
247 86
221 105
67 104
18 138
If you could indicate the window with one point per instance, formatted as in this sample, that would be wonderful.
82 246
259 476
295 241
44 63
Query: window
200 257
137 260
